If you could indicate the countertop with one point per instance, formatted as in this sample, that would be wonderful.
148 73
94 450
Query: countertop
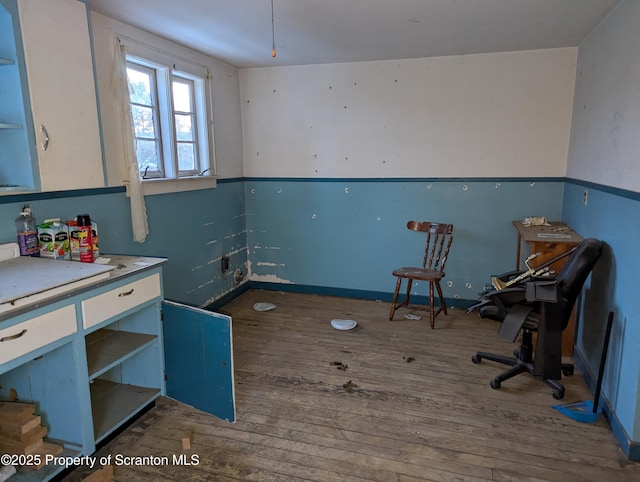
116 267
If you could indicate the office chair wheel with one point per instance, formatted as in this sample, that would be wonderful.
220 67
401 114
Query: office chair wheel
475 359
495 383
558 394
567 371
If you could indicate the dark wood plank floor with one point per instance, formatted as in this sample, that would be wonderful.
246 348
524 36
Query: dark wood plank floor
410 405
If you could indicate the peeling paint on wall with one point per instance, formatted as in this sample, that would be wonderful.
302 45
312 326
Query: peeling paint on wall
233 235
269 278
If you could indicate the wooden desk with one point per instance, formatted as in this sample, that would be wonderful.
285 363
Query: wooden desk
551 241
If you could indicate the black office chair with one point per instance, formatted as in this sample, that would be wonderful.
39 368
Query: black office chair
540 304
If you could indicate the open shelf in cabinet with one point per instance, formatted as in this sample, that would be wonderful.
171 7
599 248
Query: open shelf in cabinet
125 367
114 403
107 348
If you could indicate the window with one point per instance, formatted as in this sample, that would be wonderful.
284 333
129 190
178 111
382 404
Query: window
169 114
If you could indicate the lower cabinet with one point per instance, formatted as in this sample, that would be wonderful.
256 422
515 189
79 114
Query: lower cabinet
49 381
116 346
125 369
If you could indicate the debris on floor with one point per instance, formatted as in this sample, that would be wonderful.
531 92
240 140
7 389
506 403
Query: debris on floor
409 359
339 365
344 325
187 435
410 316
264 306
349 386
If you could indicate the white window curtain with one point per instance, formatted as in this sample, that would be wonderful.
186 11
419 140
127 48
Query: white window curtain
120 87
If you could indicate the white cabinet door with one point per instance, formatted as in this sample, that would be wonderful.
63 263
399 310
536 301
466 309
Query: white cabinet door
55 37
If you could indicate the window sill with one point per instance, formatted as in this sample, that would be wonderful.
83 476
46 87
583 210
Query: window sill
151 187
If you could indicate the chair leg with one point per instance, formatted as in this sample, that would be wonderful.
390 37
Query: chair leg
433 287
442 303
516 369
432 310
504 360
409 284
395 299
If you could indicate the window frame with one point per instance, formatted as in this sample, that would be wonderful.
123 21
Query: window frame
141 66
198 135
168 65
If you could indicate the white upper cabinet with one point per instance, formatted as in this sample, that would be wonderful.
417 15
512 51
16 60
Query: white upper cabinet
57 53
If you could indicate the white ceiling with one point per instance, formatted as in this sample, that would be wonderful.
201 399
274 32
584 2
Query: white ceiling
329 31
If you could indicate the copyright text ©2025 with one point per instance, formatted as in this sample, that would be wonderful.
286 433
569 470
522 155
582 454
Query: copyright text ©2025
91 462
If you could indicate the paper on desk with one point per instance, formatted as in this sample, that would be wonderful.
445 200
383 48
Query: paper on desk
535 221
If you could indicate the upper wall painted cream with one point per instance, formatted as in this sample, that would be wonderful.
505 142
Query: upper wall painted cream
225 93
605 137
487 115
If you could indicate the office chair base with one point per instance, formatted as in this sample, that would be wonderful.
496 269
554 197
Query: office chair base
519 366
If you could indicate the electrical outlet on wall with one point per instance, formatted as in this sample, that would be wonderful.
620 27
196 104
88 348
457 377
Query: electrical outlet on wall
224 264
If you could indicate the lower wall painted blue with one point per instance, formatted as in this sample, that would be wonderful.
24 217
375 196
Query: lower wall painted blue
192 229
351 234
612 216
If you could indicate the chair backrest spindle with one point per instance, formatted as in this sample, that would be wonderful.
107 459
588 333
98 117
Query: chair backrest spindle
438 243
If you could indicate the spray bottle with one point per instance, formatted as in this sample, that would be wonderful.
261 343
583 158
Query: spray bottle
85 238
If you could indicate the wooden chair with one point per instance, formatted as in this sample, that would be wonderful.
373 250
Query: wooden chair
436 251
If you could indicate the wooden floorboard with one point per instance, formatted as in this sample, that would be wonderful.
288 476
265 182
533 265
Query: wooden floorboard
408 405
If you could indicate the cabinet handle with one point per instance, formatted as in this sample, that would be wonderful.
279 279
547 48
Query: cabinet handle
125 293
45 141
13 337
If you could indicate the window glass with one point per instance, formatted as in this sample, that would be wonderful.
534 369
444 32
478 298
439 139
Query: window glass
167 109
145 113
